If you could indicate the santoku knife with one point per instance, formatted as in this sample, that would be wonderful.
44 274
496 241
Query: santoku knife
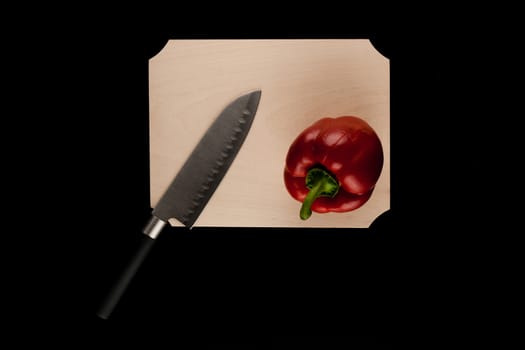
193 186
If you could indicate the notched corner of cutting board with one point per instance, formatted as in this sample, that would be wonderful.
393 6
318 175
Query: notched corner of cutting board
382 220
378 48
156 47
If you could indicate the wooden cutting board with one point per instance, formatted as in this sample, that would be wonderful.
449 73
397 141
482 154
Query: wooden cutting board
191 81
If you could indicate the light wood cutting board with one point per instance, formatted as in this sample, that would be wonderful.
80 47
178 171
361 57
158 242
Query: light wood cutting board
191 81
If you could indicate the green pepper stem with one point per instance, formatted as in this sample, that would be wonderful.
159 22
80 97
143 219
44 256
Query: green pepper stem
321 184
306 208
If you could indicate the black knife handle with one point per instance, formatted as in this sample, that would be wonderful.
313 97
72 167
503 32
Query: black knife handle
120 286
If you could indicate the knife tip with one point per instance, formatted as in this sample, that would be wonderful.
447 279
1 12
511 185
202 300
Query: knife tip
256 93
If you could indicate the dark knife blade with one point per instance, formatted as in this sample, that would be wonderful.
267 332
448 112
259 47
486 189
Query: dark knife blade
187 195
194 184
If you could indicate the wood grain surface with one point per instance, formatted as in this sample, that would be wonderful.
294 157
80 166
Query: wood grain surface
191 81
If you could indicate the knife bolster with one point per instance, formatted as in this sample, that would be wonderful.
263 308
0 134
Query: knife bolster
154 227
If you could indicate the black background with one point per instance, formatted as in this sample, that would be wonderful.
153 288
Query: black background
416 269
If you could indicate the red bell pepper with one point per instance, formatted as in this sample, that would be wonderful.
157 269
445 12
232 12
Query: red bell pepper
333 165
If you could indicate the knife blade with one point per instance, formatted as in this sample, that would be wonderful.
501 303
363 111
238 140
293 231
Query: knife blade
194 184
198 178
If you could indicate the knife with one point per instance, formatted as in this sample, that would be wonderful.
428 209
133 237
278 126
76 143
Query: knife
193 186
